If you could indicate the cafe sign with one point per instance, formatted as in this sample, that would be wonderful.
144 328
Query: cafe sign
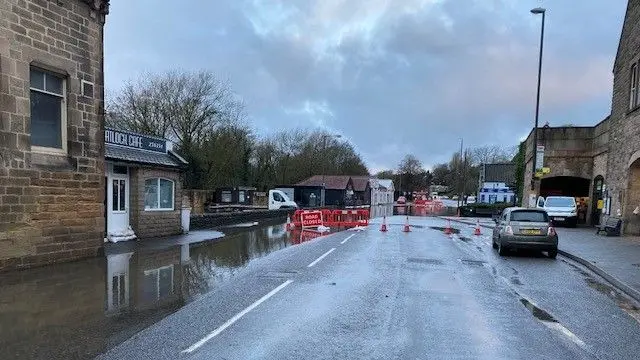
133 140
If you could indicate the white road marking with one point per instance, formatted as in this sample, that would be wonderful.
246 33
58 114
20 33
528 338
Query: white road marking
566 332
348 237
235 318
321 257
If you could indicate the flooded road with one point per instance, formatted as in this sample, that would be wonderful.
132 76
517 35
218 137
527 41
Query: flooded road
78 310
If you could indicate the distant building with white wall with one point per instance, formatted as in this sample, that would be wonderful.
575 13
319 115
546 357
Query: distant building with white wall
496 183
381 191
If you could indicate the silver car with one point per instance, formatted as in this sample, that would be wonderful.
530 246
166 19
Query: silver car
523 228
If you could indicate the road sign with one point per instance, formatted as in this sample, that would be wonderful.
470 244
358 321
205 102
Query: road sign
539 157
311 219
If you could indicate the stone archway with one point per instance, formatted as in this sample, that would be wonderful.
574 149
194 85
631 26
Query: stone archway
632 199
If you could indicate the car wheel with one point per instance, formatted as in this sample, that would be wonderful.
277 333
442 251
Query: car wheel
502 251
552 253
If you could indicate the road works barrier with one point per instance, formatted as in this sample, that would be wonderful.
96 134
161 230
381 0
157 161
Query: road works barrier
335 218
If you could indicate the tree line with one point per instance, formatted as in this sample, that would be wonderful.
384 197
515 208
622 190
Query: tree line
460 174
210 128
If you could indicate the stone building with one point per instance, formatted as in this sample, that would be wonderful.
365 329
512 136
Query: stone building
603 161
623 162
51 130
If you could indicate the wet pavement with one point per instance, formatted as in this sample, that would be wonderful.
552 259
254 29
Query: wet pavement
395 295
617 256
79 310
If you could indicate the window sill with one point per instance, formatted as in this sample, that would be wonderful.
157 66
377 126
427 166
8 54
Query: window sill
633 110
159 210
48 151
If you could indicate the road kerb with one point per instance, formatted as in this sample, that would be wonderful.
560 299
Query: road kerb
618 284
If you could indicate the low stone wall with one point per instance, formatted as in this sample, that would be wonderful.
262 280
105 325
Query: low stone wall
208 221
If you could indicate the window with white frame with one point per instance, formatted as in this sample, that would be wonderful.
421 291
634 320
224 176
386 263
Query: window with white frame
48 115
158 194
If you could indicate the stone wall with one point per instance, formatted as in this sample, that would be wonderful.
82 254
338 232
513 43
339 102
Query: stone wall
625 122
150 224
51 206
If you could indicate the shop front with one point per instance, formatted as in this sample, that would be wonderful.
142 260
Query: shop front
143 186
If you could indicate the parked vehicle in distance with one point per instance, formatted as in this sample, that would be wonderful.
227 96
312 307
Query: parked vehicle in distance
561 209
279 200
524 228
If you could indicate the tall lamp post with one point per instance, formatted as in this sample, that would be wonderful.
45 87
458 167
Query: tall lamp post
324 148
537 11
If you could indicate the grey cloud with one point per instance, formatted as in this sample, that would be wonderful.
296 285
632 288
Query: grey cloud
414 82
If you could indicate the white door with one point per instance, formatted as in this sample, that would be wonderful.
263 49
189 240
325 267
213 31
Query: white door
118 200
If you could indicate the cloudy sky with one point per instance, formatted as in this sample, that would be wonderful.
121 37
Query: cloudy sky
392 76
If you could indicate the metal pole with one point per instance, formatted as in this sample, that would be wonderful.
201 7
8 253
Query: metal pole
324 149
535 127
460 170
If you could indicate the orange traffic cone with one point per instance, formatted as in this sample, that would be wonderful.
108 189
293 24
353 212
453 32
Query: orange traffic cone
406 228
383 227
477 229
447 230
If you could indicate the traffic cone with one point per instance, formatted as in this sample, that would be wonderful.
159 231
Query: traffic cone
447 230
477 229
406 228
383 227
288 226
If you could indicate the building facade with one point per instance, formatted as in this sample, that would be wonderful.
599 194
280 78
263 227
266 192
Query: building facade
623 163
496 183
143 186
381 191
599 164
51 130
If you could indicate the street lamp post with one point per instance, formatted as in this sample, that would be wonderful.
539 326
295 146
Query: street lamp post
537 11
324 148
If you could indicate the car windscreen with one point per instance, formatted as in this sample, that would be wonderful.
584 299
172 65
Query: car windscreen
559 202
529 216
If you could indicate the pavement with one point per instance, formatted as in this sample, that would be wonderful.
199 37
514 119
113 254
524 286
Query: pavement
617 259
394 295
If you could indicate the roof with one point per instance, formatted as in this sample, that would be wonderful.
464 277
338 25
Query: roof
114 152
360 182
332 182
381 183
502 172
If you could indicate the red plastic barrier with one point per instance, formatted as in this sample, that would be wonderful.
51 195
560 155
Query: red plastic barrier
327 217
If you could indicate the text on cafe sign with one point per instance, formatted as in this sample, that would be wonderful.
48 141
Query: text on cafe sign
132 140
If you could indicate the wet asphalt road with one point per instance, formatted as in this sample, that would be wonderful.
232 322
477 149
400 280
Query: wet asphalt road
422 295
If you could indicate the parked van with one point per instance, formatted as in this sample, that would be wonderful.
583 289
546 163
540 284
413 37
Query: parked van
561 209
279 200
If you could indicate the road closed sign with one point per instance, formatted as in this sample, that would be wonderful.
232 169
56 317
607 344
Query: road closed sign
311 218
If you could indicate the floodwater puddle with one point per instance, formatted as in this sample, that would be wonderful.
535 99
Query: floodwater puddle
537 312
453 230
81 309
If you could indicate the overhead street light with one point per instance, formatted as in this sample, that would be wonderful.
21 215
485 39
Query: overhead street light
537 11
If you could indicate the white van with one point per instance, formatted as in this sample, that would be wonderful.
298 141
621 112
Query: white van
561 209
279 200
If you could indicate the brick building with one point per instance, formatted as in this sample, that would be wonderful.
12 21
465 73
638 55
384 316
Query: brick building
601 162
51 130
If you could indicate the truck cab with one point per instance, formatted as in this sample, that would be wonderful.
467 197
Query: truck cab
279 200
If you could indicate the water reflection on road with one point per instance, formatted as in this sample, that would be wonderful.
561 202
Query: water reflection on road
81 309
